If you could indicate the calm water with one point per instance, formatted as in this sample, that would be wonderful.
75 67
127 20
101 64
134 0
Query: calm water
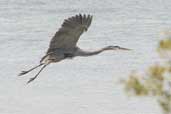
82 85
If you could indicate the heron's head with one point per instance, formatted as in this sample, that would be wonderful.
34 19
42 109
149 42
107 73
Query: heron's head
115 48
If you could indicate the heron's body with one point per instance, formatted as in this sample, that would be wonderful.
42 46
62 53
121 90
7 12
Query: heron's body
59 54
63 44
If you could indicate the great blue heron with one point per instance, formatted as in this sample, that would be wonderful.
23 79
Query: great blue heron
63 44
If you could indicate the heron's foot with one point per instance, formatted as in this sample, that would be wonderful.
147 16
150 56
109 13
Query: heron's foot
31 79
23 72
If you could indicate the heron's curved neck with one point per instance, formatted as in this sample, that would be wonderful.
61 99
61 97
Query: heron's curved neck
90 53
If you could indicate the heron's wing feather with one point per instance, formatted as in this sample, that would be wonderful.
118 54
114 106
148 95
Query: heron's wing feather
70 31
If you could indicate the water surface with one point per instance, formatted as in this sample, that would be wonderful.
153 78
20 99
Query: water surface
82 85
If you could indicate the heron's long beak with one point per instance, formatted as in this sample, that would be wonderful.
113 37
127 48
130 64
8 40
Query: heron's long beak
121 48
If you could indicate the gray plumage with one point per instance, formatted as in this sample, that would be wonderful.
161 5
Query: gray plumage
63 44
67 36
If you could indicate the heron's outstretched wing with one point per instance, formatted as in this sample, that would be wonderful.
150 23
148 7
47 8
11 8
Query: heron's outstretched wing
70 31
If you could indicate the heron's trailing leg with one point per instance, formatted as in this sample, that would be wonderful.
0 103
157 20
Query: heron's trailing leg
33 78
25 72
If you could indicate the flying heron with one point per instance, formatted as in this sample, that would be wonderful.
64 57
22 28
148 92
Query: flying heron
63 44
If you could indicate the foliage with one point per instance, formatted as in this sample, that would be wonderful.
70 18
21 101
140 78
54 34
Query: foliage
157 80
